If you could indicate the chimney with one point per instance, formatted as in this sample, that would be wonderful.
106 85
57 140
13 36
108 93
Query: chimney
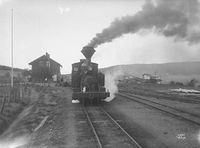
88 52
47 55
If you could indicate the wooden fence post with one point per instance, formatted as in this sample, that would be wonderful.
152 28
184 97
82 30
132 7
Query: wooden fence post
10 95
2 106
21 93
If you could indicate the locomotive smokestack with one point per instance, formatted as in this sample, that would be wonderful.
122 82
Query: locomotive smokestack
88 52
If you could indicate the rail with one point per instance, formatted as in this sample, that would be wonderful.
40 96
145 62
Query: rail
122 129
192 118
117 126
93 129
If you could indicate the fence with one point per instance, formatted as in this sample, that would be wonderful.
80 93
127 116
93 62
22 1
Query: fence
18 94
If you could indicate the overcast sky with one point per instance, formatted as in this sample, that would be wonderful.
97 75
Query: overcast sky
63 27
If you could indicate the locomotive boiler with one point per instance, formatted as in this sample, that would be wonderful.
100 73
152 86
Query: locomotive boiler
87 81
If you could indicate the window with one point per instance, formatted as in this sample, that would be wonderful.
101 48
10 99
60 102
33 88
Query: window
41 63
48 63
75 68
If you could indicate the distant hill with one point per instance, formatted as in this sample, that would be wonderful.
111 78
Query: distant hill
180 71
5 73
3 67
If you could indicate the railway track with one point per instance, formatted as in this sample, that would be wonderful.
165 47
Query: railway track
189 117
106 129
164 96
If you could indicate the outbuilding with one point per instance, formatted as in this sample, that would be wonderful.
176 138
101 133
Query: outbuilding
151 78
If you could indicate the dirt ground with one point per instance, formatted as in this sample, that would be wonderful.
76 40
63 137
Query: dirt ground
152 128
67 128
52 121
190 107
190 104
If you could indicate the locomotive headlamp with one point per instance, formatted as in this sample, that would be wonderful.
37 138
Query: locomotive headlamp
89 68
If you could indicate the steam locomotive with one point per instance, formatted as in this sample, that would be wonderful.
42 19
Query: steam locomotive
87 83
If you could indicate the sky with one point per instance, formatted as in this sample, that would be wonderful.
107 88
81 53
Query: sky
63 27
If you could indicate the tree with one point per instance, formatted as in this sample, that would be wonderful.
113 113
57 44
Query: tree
172 83
192 82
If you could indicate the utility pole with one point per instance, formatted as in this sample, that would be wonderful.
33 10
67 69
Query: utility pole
11 47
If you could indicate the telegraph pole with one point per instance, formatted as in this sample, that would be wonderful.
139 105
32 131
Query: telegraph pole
11 47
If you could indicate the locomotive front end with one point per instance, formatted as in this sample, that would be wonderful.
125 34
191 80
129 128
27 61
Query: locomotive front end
87 82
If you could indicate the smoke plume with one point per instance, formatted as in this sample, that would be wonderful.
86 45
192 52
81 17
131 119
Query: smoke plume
111 81
178 18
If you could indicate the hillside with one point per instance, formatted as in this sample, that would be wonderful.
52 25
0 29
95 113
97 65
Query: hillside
5 73
3 67
181 71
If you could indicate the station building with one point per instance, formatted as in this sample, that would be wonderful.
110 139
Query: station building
44 69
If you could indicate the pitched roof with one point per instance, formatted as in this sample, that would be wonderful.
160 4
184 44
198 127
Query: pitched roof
44 57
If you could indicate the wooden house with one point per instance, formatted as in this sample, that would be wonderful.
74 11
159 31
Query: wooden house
44 69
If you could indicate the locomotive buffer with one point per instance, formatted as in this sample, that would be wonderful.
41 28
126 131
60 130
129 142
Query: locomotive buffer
87 82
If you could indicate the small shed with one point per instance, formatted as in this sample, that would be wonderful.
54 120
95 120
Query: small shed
151 78
44 68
